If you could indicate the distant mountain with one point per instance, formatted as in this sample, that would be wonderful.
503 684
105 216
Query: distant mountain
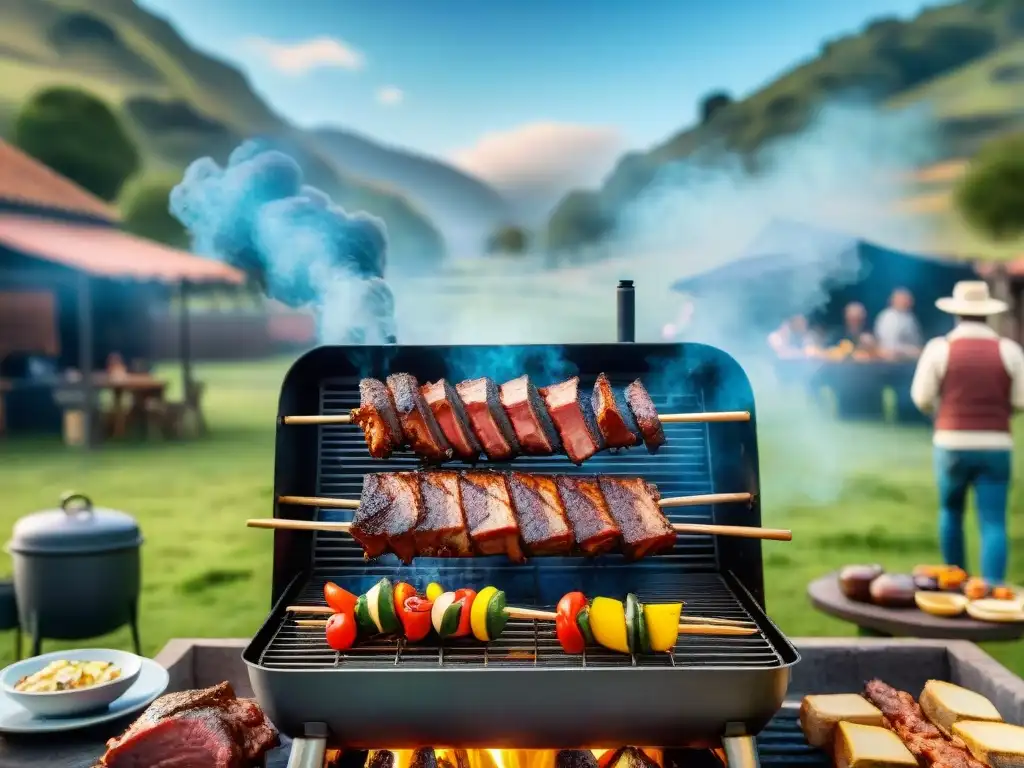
964 59
465 208
179 103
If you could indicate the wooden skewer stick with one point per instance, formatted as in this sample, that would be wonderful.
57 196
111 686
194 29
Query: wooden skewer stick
739 531
526 613
666 418
684 629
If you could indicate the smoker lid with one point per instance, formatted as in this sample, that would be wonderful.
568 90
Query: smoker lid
76 527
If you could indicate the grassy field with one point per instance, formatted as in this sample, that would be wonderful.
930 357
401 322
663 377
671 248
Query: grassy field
850 494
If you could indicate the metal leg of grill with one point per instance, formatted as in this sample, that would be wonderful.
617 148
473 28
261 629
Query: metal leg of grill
308 753
741 752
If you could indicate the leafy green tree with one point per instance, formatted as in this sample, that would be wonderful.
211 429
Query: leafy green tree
144 208
991 194
78 136
713 103
508 239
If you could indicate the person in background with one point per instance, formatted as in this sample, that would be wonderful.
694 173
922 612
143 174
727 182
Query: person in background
793 338
896 328
973 381
855 323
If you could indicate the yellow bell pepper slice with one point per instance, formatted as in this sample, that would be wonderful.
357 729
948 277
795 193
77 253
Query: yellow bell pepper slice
608 623
478 613
434 591
662 621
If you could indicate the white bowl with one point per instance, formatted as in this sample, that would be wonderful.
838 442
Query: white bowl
76 701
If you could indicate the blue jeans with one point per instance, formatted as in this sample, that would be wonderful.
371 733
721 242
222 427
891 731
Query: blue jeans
988 472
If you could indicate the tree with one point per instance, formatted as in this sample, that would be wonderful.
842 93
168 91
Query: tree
711 104
991 194
79 137
145 212
508 239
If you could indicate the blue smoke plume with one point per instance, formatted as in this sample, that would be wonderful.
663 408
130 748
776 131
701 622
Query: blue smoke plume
302 249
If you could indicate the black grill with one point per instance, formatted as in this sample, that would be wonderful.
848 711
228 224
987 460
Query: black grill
708 687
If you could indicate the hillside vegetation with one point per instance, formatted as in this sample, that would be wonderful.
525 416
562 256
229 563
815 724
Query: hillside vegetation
178 103
966 60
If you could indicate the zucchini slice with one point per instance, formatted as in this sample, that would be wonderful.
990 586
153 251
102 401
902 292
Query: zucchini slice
633 621
444 614
380 600
363 620
583 622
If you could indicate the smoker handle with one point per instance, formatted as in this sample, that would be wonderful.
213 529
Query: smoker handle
741 752
308 753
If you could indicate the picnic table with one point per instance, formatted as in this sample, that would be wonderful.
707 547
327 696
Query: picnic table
131 392
877 621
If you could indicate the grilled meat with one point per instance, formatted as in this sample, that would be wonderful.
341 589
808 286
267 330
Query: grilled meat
618 427
424 757
646 415
487 418
441 531
907 720
389 510
593 527
210 728
633 503
377 418
451 417
541 515
488 509
530 420
419 427
574 419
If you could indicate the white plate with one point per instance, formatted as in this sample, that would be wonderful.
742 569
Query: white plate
998 616
151 683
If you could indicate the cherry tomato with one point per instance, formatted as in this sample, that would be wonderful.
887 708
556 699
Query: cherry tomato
414 614
465 597
339 600
566 628
341 631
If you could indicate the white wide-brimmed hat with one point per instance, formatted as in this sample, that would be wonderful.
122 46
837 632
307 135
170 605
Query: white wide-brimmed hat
971 298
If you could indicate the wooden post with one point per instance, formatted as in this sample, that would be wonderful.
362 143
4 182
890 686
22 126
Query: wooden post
85 353
185 341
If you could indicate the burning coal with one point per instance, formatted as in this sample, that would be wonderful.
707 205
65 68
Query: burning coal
256 214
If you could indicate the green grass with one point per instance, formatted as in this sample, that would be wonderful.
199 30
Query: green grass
851 493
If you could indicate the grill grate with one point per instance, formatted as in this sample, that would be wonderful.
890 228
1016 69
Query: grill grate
530 643
681 467
782 743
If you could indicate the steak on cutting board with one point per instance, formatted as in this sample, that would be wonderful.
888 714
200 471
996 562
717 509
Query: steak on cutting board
208 728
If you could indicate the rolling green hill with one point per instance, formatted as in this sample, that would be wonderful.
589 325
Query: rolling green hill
179 104
965 59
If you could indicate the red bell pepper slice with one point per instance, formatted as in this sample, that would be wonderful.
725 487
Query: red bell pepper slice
465 597
414 613
566 628
340 600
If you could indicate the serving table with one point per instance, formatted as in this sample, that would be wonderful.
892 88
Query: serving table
829 665
876 621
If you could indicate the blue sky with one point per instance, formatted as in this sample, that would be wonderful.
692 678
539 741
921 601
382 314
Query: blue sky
469 70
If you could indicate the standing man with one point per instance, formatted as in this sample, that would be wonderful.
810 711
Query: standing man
973 381
896 328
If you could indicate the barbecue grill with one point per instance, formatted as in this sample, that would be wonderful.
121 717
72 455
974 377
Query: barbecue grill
521 690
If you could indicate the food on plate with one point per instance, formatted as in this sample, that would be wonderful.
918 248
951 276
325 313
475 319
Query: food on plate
926 583
952 577
64 675
820 714
855 581
907 720
893 590
1003 593
999 745
976 589
929 571
996 610
439 420
210 727
625 626
946 704
870 746
945 604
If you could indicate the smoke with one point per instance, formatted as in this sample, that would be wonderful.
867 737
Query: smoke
545 365
258 215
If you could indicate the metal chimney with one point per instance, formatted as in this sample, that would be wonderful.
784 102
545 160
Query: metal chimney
626 301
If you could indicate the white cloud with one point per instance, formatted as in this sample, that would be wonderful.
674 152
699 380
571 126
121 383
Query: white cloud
541 161
390 96
302 57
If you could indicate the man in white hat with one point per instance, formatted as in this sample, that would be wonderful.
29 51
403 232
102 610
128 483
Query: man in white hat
973 381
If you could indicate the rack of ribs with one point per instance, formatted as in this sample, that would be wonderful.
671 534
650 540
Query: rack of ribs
573 417
377 417
419 427
390 509
530 420
488 507
633 503
451 417
491 426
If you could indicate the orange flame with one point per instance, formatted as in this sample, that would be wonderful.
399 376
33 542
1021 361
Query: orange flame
507 758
